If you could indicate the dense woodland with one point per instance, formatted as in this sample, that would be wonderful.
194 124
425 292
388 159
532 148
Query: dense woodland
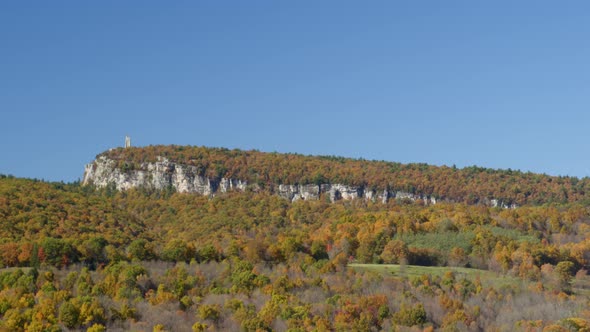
85 259
468 185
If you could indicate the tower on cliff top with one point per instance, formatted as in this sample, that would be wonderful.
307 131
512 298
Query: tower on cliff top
127 142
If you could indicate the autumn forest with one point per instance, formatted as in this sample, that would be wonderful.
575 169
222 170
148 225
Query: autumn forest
82 258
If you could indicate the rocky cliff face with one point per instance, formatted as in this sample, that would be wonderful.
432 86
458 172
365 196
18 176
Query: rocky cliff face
164 174
159 175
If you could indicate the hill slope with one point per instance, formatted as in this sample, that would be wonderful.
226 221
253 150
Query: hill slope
153 259
209 170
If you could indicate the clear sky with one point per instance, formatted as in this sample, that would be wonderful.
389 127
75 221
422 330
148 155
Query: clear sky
501 84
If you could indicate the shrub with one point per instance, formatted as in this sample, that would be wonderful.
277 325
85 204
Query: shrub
410 316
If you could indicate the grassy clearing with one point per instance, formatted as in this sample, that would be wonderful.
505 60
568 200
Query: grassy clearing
581 286
12 269
488 278
445 241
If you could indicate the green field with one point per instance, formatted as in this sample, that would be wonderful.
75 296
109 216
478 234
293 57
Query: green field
488 278
12 269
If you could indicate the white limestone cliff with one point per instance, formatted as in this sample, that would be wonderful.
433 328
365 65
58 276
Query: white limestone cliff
164 174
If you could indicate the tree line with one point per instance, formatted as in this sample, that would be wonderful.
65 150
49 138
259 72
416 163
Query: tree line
80 258
470 185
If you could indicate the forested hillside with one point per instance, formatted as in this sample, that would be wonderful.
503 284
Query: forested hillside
80 258
469 185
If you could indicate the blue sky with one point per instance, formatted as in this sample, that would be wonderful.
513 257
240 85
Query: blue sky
502 84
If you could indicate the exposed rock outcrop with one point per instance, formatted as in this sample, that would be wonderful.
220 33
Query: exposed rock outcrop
297 192
164 174
159 175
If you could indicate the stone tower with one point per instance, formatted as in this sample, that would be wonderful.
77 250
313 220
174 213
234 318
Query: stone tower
127 142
